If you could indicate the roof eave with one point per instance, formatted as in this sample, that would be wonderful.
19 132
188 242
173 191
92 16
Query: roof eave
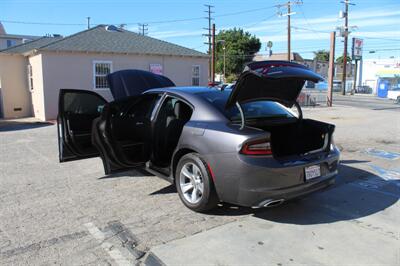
119 53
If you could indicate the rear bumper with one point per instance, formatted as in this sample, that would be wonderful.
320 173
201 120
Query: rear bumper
253 181
287 193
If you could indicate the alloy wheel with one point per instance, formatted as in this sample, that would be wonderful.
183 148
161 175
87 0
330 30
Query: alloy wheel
191 183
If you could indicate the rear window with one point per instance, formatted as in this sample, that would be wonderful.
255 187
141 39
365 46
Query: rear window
252 110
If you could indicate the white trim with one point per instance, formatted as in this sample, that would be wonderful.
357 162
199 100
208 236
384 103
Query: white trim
198 76
94 62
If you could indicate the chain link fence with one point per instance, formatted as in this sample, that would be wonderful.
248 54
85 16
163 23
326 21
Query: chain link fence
313 97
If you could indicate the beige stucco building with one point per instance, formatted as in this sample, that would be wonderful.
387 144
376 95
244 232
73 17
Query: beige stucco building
32 74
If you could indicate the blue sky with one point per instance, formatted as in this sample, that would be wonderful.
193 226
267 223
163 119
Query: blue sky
377 21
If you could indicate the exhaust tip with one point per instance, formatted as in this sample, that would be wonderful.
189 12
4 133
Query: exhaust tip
273 203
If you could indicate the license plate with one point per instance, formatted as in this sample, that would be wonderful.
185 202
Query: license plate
312 171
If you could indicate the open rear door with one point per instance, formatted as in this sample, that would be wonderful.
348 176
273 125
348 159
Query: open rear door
76 111
123 133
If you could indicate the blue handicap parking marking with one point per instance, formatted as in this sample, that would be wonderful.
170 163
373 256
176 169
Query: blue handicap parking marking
384 181
383 154
386 174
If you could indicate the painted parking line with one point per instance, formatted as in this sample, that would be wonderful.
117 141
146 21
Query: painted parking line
114 252
382 154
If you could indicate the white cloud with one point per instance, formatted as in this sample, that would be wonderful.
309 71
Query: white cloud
175 34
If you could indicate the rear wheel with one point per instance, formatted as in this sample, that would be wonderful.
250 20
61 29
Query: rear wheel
194 183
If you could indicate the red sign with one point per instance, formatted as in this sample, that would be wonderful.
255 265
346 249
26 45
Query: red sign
156 69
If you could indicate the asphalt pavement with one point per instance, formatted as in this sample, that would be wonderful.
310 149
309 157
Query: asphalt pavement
71 214
366 101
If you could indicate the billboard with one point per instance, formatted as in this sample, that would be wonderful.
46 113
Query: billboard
357 48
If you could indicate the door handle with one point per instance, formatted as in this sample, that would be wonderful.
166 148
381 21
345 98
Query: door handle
139 123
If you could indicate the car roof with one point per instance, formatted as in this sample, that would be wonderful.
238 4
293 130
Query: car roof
186 89
204 110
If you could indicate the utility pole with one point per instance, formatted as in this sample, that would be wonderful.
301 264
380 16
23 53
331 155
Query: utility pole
289 13
213 55
209 18
143 28
288 32
331 69
345 35
88 22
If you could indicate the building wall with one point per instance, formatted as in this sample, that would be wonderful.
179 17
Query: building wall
16 98
371 69
37 92
75 71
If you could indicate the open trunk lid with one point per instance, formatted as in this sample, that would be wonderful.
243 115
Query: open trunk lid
133 82
279 81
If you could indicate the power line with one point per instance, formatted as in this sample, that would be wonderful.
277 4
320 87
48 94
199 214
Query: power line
208 35
137 22
245 11
288 5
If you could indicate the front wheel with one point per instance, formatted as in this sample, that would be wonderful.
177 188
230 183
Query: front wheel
194 183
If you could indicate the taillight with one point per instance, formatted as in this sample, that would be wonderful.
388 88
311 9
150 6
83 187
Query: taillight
258 147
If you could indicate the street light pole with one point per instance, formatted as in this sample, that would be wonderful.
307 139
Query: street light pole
224 63
346 33
288 32
223 48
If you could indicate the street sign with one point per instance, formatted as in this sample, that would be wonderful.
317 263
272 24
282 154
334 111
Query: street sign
156 69
357 48
269 44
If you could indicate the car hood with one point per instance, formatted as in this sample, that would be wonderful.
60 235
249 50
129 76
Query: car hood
132 82
277 81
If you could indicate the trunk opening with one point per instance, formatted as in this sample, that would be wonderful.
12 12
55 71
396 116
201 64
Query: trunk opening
297 137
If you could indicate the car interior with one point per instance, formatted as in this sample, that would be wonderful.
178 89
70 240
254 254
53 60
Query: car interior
173 115
127 126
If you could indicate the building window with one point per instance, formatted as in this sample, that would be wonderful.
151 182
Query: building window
30 77
11 43
196 75
100 71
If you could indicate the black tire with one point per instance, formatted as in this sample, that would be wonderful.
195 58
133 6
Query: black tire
398 100
209 198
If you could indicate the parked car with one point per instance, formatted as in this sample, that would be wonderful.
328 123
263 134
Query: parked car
394 94
364 89
242 146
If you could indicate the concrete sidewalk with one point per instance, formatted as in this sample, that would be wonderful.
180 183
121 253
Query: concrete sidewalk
256 241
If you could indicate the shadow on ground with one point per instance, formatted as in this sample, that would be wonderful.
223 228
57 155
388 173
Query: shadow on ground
356 194
129 173
14 125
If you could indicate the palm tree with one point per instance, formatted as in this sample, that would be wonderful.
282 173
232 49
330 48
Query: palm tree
321 55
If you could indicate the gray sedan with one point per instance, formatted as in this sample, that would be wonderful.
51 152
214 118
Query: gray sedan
243 146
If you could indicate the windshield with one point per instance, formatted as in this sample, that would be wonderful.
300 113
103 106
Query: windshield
251 110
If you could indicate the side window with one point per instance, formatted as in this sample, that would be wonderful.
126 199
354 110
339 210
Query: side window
11 43
195 75
82 103
100 71
144 107
30 77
